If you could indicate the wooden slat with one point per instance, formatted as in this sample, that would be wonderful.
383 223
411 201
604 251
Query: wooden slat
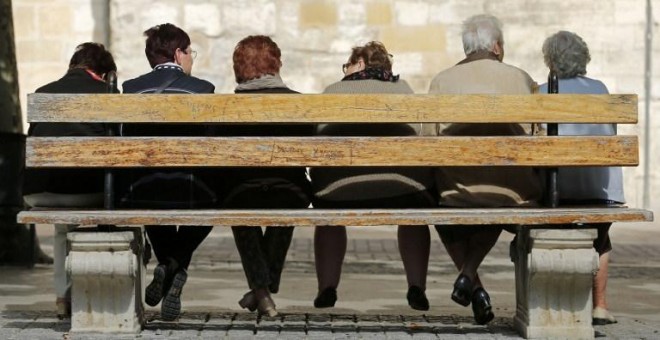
326 151
372 108
312 217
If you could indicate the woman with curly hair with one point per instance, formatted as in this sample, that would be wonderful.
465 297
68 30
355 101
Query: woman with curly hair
369 70
567 54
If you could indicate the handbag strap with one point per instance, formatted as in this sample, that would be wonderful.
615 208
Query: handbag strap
168 82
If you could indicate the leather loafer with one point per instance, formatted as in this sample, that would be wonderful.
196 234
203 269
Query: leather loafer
249 301
462 290
266 306
326 298
481 307
417 298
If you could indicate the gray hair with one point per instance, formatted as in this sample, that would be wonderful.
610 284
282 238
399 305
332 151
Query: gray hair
481 32
567 54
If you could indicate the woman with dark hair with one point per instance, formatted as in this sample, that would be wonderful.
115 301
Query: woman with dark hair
369 70
171 57
256 67
88 68
568 55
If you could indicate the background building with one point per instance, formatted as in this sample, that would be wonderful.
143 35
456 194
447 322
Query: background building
316 37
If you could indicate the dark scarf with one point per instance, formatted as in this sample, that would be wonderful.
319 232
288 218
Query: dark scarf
479 55
373 73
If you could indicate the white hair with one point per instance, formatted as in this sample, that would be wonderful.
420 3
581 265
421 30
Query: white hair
481 32
567 54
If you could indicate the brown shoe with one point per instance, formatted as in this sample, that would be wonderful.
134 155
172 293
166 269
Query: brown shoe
266 306
249 301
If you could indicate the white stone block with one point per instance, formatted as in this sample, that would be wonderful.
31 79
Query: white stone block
203 17
352 21
554 278
250 17
107 279
159 13
411 13
408 63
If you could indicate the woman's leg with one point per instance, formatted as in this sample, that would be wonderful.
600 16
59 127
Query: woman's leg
61 280
414 246
329 250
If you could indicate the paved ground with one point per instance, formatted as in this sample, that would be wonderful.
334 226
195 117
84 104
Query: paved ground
371 296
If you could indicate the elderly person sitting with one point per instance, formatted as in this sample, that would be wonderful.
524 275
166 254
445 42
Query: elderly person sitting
481 72
257 66
567 54
369 70
88 68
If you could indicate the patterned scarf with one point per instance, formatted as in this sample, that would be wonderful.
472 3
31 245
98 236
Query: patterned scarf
373 73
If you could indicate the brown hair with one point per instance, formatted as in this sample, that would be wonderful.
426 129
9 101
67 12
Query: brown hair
93 56
162 42
255 56
374 54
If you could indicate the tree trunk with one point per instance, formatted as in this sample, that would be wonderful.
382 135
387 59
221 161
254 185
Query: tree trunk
10 106
17 244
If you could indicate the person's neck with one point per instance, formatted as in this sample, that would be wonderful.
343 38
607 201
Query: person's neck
480 55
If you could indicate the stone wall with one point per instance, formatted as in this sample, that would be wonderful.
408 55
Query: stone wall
46 33
316 37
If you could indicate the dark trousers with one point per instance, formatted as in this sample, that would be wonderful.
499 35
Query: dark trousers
263 253
179 244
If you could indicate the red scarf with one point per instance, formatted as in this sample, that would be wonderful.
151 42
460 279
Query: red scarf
94 75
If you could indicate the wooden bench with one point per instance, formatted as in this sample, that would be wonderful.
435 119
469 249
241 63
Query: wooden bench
554 263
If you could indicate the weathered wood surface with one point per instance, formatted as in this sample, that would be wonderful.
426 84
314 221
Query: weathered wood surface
330 151
355 217
314 108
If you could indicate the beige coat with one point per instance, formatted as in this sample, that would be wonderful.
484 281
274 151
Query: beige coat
485 186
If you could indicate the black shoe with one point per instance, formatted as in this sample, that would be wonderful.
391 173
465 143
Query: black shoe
249 301
156 289
481 307
462 290
171 306
417 298
326 298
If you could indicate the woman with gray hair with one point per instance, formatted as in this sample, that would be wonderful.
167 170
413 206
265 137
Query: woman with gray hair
567 54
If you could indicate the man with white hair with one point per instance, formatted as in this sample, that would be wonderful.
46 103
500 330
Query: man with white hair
481 72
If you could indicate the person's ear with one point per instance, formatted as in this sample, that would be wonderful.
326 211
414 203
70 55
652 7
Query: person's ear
177 56
498 50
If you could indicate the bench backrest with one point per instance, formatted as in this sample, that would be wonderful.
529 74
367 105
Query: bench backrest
549 151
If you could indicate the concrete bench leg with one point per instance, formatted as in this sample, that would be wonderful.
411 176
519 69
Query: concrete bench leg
554 277
107 276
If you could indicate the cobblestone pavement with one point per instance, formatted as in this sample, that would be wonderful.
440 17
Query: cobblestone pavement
371 301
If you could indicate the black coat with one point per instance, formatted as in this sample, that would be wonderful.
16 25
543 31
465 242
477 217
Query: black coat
294 179
163 187
69 181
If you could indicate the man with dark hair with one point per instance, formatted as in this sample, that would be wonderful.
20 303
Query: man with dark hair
88 67
171 57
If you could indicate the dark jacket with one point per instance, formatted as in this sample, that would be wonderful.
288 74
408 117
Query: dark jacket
237 179
163 187
69 181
